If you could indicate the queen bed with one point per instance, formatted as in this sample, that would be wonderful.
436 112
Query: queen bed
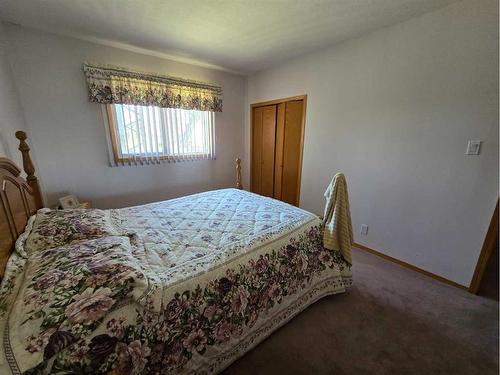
186 285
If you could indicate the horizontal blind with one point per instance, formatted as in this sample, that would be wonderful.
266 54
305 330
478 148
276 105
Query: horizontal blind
148 134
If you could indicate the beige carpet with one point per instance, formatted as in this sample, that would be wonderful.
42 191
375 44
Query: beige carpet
392 321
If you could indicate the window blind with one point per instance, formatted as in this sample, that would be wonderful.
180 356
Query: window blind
149 134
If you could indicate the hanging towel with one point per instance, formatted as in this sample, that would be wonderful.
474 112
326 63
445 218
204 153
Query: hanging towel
337 232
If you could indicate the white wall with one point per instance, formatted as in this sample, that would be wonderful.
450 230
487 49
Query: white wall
68 136
11 116
393 110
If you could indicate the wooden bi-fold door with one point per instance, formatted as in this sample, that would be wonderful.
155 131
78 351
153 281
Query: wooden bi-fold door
277 141
263 139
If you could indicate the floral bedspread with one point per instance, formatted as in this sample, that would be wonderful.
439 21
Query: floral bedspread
182 286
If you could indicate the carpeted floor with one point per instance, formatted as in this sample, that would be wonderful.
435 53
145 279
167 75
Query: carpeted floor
392 321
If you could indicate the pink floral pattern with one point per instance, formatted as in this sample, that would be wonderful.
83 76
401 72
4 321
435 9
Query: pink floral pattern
89 306
97 307
53 228
223 309
70 289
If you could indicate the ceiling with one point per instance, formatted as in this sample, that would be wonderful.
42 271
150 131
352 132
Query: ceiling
242 36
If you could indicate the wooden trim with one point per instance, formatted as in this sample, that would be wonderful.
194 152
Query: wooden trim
250 162
112 131
278 101
304 109
486 251
303 126
410 266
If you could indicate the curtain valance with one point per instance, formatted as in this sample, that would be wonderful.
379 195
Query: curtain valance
112 85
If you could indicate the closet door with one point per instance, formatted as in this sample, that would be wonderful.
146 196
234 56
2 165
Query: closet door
280 137
292 152
263 149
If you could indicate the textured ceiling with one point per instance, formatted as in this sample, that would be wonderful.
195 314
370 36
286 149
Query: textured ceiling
237 35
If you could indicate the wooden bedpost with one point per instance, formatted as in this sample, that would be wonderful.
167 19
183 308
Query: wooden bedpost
238 174
28 167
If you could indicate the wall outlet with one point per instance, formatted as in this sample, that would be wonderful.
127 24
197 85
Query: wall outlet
473 148
364 229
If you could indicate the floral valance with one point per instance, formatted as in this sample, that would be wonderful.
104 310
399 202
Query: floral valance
111 85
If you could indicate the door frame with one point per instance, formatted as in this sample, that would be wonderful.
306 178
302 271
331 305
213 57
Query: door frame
486 252
303 124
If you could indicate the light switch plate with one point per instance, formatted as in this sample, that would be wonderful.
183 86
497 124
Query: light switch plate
473 148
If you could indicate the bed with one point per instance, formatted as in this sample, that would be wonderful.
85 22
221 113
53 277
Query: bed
186 285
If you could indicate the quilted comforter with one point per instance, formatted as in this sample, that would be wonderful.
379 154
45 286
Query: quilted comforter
181 286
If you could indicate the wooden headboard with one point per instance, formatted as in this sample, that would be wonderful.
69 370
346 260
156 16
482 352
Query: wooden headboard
20 198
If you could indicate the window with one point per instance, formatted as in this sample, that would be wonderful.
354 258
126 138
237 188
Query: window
148 134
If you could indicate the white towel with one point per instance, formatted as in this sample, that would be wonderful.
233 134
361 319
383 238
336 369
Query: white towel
337 232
